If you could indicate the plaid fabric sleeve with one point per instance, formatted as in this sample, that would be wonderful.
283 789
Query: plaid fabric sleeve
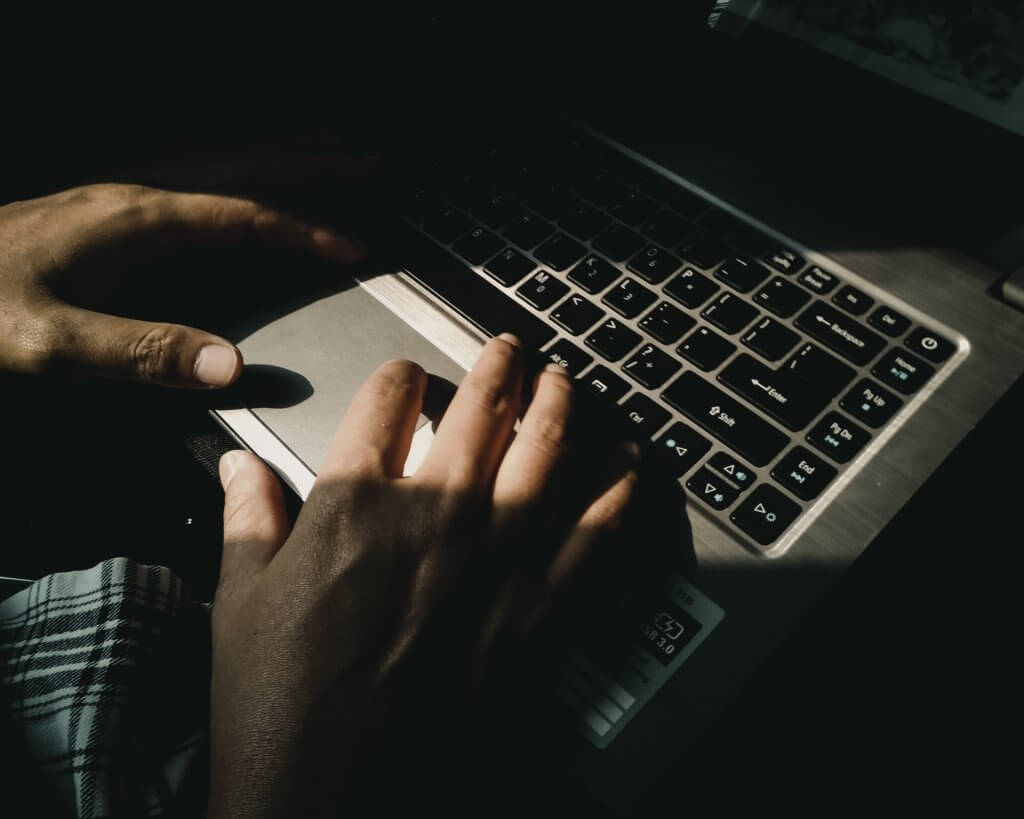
104 678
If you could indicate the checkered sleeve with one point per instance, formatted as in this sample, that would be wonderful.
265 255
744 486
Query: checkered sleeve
104 675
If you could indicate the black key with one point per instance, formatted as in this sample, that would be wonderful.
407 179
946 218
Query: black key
680 448
783 298
475 299
668 229
736 471
841 333
666 323
706 349
527 230
603 381
446 223
704 250
576 314
803 473
497 210
583 221
853 300
815 365
594 274
741 273
889 321
654 264
551 201
785 260
569 356
618 243
643 416
902 371
816 279
509 266
542 290
601 188
711 489
688 203
729 313
478 245
651 367
793 402
770 339
691 288
633 207
629 297
725 418
838 437
560 251
931 345
870 403
765 514
612 339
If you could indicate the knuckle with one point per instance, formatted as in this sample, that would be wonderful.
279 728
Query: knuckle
488 393
153 353
549 432
241 513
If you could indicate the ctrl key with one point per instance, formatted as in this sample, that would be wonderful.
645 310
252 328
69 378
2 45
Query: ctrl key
765 514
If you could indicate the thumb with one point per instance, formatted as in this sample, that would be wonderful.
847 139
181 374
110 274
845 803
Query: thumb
255 522
169 354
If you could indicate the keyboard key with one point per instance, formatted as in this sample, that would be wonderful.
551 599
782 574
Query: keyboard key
691 288
725 418
527 230
542 290
550 200
902 371
666 323
870 403
783 298
765 514
816 279
643 416
497 210
931 345
680 448
618 243
815 365
736 471
711 489
629 297
706 349
704 250
509 266
569 356
741 273
576 314
849 338
771 339
853 300
560 251
838 437
603 381
613 339
633 207
476 299
601 188
688 203
785 260
478 245
654 264
803 473
651 367
790 400
729 313
890 322
446 223
583 221
668 229
593 274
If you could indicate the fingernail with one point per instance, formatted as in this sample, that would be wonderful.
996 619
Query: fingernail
556 368
343 249
630 451
216 365
508 338
228 466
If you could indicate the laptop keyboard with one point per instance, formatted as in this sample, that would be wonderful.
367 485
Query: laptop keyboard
758 376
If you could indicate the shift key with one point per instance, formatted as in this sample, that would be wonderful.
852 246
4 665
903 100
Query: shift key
725 418
836 330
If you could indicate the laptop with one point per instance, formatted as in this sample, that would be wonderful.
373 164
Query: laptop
800 366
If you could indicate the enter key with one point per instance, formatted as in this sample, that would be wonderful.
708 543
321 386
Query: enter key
792 401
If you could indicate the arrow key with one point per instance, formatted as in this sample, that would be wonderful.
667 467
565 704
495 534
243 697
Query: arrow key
736 471
680 448
711 489
765 514
576 314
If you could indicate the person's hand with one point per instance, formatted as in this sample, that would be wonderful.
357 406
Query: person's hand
315 629
78 241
